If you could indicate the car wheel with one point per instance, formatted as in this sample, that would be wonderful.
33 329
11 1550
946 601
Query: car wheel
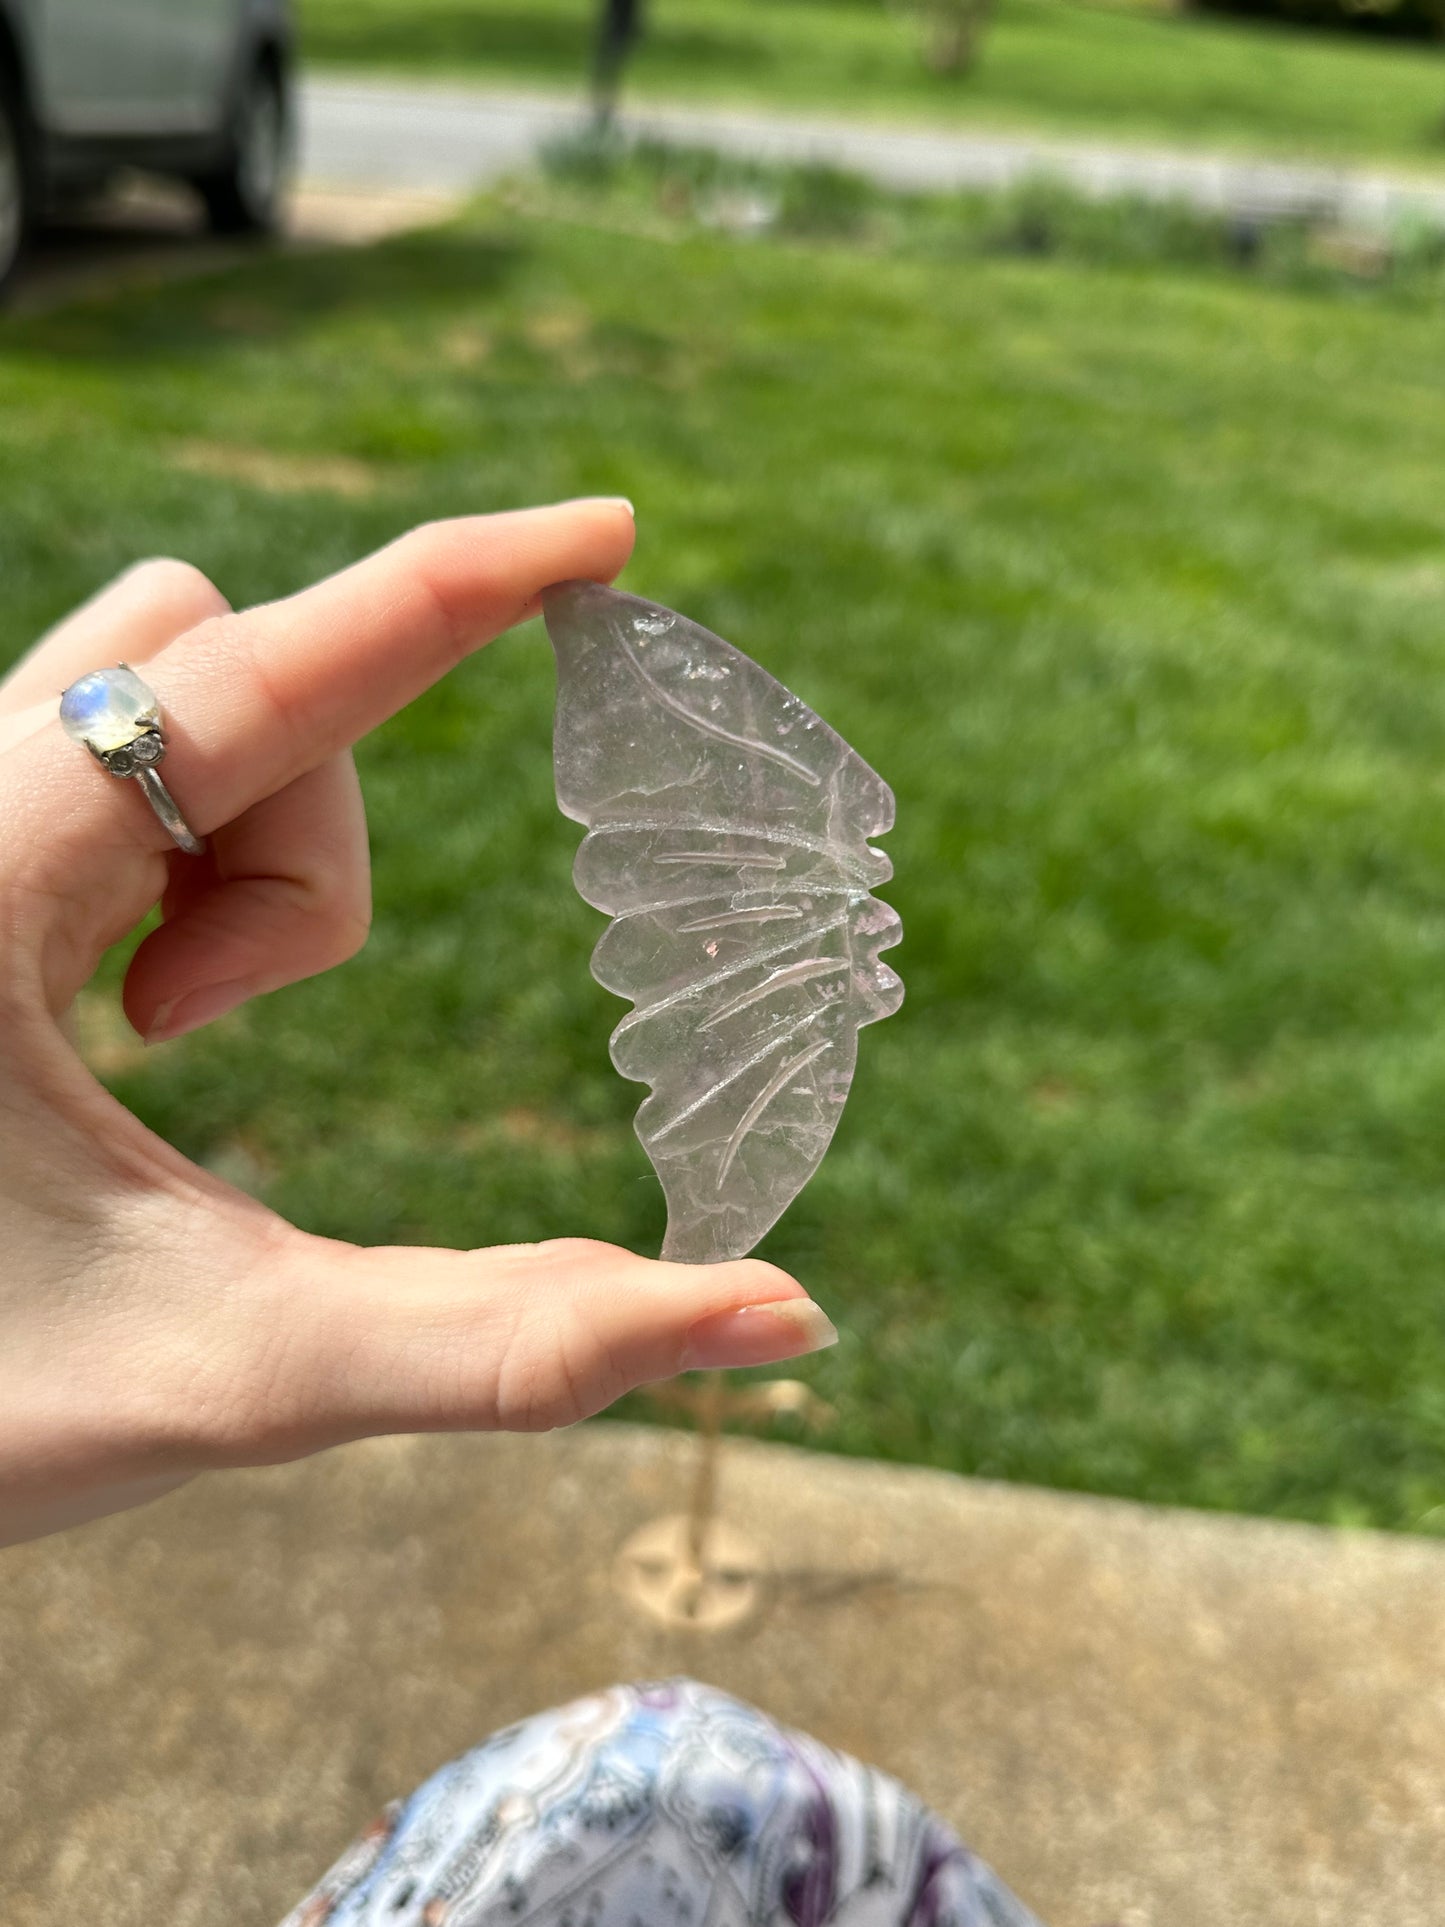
247 193
16 181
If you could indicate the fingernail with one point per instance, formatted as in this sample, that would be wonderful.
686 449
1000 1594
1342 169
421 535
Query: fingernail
758 1335
612 502
197 1007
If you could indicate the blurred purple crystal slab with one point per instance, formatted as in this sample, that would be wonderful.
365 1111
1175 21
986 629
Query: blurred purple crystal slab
727 838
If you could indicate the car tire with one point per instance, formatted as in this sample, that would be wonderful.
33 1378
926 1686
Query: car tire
246 194
17 179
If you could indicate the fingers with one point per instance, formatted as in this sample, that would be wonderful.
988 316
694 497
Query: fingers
128 620
282 893
521 1338
254 701
259 698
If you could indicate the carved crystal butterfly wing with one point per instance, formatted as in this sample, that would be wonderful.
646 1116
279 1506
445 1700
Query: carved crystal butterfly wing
728 833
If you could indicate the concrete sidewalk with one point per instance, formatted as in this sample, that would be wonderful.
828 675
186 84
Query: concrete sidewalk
1143 1718
449 137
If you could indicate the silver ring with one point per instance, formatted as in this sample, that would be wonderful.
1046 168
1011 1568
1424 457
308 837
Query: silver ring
116 716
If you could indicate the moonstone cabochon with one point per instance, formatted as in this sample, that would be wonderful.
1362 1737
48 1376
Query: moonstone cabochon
728 831
108 709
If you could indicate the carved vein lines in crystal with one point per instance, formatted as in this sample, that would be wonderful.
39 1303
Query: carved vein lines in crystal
728 841
877 870
734 969
760 913
775 1043
739 859
700 723
763 1099
657 906
798 973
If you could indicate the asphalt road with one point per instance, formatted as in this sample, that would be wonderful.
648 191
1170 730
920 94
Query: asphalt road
452 138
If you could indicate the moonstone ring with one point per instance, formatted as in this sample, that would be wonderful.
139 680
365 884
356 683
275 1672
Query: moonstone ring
117 718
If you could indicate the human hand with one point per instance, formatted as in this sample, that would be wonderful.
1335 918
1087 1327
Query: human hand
155 1323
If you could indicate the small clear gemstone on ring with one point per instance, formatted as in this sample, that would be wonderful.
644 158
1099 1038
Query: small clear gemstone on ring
109 709
117 718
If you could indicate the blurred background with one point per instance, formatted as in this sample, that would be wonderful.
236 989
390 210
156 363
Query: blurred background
1049 391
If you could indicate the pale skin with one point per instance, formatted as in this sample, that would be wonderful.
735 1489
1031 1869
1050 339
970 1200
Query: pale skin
155 1323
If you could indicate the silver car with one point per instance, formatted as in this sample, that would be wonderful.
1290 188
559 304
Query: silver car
195 88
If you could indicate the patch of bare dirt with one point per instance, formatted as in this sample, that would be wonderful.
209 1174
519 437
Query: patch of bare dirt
275 473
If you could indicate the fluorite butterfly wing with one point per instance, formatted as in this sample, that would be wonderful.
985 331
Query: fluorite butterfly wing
728 838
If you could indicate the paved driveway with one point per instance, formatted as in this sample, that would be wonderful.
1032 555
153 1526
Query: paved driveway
450 137
378 155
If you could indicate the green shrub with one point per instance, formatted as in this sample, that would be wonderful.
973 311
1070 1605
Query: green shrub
1042 216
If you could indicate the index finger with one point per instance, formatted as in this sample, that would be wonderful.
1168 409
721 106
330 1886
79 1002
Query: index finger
253 700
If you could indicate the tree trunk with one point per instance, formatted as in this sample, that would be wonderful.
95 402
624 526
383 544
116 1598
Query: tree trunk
955 33
619 28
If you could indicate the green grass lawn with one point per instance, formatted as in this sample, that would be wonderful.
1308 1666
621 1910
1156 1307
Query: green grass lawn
1118 71
1129 579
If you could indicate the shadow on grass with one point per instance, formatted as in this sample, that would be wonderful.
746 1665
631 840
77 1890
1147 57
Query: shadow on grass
269 298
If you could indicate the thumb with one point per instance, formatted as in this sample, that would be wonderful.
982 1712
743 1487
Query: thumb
515 1338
